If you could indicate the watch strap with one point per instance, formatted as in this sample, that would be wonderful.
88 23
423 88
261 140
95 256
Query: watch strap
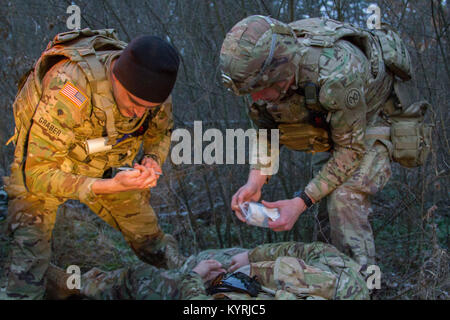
302 195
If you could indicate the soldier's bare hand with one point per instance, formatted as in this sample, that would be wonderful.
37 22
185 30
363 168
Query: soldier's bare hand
150 163
139 179
289 211
251 191
238 260
248 192
208 269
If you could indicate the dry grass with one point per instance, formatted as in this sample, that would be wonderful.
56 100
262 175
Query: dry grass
81 238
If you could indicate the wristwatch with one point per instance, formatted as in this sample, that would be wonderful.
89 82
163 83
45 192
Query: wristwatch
302 195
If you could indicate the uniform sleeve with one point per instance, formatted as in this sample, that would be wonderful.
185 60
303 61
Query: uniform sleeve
65 96
342 94
271 251
192 287
310 252
157 136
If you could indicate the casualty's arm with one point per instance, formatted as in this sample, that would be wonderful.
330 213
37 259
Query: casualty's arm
271 251
192 287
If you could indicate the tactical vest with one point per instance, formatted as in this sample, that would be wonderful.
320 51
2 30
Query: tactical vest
83 47
324 33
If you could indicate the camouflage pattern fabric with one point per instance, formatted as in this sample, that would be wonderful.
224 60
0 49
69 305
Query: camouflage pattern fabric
352 87
342 94
351 91
326 273
349 206
58 168
319 210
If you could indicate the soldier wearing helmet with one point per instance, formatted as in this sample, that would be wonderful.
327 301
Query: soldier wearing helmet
323 84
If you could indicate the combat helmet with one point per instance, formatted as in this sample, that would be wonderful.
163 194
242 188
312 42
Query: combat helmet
256 53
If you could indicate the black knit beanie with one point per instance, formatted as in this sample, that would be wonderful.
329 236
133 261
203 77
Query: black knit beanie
148 68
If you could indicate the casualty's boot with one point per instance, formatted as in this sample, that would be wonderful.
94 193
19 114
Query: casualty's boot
57 284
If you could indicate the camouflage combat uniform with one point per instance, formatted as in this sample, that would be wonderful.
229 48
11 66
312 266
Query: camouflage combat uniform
341 85
57 168
290 270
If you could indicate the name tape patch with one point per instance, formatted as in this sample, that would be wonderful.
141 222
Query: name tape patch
50 127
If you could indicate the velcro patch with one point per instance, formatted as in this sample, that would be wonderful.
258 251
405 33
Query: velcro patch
352 97
74 95
54 130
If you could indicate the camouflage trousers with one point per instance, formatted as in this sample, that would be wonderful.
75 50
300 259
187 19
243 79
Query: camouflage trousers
31 219
349 205
145 282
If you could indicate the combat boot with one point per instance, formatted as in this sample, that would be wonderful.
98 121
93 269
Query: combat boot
56 288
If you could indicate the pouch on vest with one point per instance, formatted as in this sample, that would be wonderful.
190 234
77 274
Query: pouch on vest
78 46
304 137
410 136
395 54
293 120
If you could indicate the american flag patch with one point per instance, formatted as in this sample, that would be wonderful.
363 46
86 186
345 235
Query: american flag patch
73 94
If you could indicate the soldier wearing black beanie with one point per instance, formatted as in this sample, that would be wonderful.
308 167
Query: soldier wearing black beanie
148 68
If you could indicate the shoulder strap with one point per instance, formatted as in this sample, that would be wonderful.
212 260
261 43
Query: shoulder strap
101 95
323 32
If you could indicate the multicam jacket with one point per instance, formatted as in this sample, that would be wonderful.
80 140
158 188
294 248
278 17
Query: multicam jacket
57 161
350 84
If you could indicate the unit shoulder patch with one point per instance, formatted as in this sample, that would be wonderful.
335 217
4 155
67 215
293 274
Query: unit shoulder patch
352 97
73 95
